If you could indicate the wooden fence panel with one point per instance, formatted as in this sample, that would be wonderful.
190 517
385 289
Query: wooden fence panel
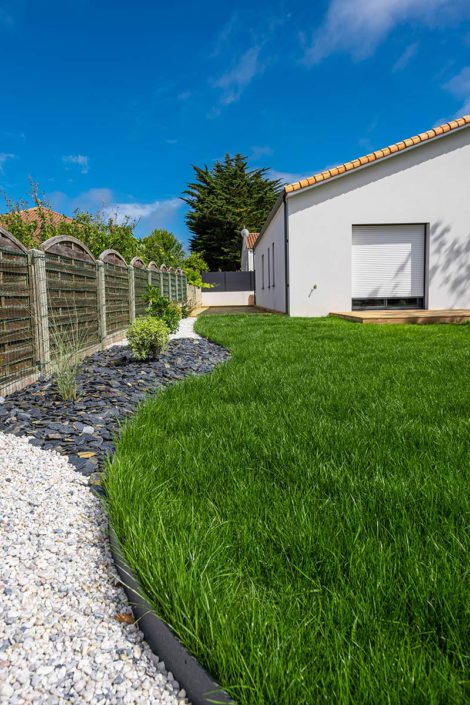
140 284
165 284
173 291
184 287
72 300
18 356
117 297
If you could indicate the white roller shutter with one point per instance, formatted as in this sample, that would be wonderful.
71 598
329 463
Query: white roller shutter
387 261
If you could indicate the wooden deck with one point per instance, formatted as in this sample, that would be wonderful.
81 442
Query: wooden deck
420 316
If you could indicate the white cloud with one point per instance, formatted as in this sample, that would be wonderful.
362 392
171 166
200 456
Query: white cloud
139 211
103 200
286 177
358 26
4 157
226 34
80 160
405 58
234 81
459 86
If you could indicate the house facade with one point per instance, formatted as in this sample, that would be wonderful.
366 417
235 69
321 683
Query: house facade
388 230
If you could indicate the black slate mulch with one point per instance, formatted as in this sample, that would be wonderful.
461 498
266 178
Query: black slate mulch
111 384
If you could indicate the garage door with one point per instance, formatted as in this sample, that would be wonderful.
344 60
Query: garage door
388 262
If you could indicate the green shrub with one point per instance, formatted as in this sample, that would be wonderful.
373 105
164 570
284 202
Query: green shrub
147 337
161 307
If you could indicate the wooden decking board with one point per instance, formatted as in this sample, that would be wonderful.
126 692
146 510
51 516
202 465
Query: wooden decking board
419 316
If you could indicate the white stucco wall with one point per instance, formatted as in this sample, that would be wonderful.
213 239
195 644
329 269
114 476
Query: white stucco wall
271 297
429 184
212 297
246 259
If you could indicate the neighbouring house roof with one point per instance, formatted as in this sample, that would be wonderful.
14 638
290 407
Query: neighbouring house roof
251 239
379 154
29 215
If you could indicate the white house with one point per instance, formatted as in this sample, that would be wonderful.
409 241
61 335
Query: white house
388 230
248 242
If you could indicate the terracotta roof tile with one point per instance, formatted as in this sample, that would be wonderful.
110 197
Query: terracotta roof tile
251 239
379 154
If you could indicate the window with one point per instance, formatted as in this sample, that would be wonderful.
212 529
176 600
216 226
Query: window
388 303
269 270
262 271
272 263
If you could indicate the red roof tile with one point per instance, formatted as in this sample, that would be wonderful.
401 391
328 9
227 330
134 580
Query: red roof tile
251 239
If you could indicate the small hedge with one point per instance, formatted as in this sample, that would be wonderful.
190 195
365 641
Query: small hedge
161 307
147 337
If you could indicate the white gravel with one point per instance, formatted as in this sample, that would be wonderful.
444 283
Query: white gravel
60 641
185 329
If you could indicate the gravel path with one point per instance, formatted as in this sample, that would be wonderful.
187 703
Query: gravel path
185 329
61 638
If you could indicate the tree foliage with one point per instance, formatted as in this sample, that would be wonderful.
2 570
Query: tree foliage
193 267
96 231
99 233
162 247
222 201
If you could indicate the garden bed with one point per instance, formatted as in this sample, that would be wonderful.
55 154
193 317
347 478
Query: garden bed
298 516
111 385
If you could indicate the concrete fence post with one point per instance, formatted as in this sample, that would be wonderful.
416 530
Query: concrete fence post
40 312
131 294
100 281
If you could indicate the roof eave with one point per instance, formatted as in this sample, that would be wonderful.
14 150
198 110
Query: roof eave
379 160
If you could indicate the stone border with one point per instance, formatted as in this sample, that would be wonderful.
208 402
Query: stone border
200 688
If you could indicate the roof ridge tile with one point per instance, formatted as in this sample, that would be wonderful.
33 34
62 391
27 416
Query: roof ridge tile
379 154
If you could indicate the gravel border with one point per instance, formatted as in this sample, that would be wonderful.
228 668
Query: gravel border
66 631
67 634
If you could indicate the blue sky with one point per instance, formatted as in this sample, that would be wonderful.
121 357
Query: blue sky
107 104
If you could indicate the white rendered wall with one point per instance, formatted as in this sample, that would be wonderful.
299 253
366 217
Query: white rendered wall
211 297
246 260
429 184
271 297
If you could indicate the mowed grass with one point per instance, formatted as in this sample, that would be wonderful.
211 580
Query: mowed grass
300 516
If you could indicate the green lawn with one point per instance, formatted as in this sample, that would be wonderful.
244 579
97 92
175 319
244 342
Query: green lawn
300 516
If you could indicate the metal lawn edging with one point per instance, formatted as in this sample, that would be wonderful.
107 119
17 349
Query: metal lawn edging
200 687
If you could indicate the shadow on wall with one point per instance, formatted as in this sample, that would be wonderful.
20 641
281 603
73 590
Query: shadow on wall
451 261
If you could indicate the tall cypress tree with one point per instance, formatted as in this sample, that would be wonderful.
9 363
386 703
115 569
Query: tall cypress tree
222 201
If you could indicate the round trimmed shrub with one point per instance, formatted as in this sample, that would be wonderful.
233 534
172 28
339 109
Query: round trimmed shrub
147 337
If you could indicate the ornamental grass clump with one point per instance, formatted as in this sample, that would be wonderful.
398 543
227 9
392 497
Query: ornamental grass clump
68 339
147 337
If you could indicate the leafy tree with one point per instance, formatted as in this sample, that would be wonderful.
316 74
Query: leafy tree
162 247
193 265
222 201
99 234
